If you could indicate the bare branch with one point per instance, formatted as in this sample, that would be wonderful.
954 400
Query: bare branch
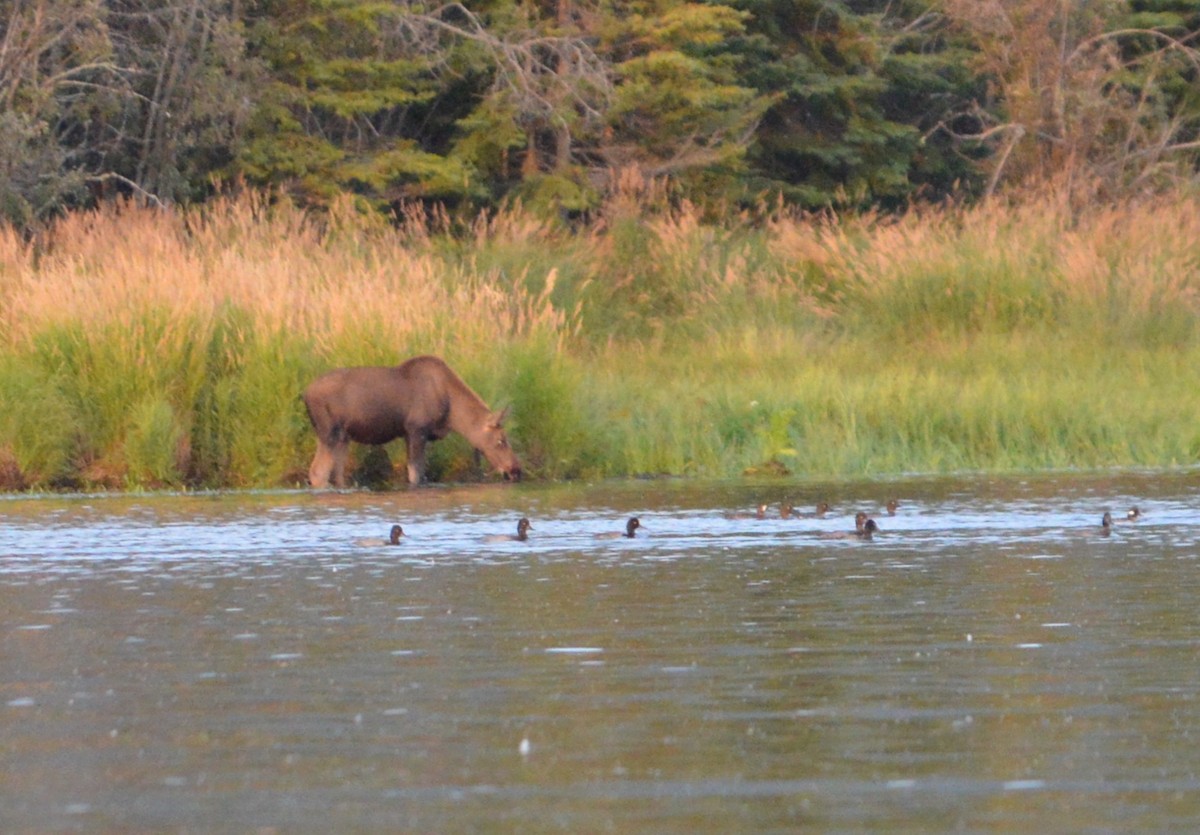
125 181
540 73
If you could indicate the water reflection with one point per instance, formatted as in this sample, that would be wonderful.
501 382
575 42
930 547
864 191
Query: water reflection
238 661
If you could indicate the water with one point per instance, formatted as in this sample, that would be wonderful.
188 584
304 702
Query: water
237 662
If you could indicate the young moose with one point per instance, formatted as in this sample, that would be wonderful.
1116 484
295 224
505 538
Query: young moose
420 400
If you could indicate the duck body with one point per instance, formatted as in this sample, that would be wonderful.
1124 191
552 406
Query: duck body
865 533
522 534
394 537
864 528
630 530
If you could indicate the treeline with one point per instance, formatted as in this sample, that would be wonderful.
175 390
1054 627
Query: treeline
821 103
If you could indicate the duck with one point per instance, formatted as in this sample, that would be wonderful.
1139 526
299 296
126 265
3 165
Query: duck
393 538
760 512
891 506
1105 524
864 527
1133 515
522 534
630 527
868 530
786 511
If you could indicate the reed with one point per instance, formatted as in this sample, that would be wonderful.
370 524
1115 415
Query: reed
142 348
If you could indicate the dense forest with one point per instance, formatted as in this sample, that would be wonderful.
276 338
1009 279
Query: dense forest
819 103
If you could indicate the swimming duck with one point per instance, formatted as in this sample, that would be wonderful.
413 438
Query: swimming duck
869 528
891 506
523 528
786 511
632 525
865 532
760 512
393 538
1106 524
864 527
1133 515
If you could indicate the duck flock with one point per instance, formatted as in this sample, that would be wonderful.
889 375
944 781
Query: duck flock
865 526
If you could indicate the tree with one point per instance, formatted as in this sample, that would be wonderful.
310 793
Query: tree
859 90
57 64
1099 97
191 95
353 103
679 104
146 97
401 100
607 88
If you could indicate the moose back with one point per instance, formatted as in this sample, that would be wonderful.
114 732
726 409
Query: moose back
420 400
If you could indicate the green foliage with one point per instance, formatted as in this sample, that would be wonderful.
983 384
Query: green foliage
104 373
875 103
267 432
952 299
38 426
225 356
678 98
551 195
152 449
343 77
486 140
859 90
550 426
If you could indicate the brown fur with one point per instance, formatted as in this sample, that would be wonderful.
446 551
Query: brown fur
420 400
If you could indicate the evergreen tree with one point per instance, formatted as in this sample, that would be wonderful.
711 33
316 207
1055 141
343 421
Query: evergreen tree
851 103
356 103
860 89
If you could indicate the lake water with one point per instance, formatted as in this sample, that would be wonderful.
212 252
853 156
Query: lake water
237 662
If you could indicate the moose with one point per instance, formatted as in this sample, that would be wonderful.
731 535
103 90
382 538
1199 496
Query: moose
420 400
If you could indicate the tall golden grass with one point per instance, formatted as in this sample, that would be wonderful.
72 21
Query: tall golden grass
169 347
1005 265
293 274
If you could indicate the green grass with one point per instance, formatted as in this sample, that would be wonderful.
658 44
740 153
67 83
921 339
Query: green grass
993 339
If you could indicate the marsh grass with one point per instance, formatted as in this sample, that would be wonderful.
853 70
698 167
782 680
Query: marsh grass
144 348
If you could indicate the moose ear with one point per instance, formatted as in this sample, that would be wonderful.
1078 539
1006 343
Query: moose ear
497 418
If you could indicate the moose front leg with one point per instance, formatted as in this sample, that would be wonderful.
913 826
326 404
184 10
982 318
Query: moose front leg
322 466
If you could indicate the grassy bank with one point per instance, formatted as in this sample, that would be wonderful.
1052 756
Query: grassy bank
149 348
